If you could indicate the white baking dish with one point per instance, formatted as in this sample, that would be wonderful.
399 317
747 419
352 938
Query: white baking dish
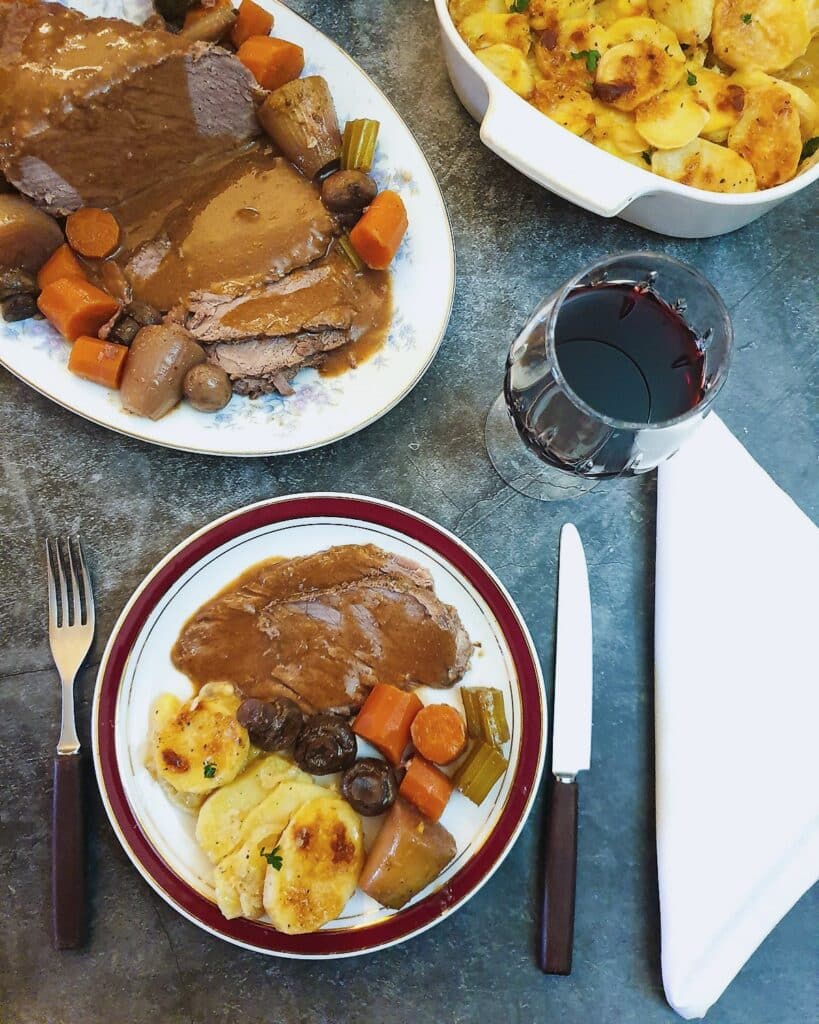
583 173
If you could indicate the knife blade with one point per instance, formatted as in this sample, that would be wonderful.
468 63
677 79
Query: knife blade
572 718
571 750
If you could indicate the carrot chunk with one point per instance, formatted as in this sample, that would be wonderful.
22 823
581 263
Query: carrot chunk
92 233
439 733
427 787
61 263
75 307
102 362
377 236
385 720
252 21
273 62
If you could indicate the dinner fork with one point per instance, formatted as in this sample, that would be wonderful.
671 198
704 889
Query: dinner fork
70 632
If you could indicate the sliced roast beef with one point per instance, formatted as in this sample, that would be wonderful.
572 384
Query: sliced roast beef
316 298
261 365
92 110
324 628
250 220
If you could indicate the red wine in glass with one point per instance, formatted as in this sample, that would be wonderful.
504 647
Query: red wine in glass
609 375
628 354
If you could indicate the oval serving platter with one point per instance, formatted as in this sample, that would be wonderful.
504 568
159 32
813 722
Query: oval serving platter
323 409
158 836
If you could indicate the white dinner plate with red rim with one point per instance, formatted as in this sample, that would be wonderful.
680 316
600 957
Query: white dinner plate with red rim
159 837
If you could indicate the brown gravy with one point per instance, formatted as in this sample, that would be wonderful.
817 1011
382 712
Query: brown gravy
249 219
323 629
233 223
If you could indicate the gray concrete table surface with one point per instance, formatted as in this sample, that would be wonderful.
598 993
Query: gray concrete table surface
133 502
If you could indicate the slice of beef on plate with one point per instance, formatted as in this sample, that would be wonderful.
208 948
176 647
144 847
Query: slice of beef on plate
324 628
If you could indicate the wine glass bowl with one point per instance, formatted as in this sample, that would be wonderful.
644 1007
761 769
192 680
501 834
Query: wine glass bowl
609 375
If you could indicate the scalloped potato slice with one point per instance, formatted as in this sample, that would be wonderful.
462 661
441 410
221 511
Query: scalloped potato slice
616 129
322 854
239 877
689 20
577 34
510 65
460 9
768 135
222 817
724 99
564 93
162 711
573 108
806 106
486 29
545 14
633 72
705 165
609 11
765 34
632 158
647 30
672 119
202 746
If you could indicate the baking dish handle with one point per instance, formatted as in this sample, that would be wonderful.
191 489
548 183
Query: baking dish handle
554 157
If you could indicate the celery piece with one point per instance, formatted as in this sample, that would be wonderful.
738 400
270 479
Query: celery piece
485 714
346 246
358 144
479 771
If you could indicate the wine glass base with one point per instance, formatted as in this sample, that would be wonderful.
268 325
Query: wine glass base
521 469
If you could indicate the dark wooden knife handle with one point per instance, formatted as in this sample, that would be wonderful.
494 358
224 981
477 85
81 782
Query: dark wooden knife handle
557 935
67 853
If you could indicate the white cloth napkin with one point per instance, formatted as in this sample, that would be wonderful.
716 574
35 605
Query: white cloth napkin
737 712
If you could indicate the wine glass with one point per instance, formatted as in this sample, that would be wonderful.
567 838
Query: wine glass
609 376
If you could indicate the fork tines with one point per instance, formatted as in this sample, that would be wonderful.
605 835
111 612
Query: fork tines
70 598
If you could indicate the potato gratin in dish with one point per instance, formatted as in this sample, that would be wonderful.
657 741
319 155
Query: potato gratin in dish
722 95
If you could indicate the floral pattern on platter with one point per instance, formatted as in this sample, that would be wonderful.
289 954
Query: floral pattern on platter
323 409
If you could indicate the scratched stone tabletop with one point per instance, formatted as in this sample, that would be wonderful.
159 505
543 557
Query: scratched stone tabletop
144 964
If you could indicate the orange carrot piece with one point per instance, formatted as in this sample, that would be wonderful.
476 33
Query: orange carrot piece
439 733
273 62
385 719
252 21
102 362
427 787
61 263
377 236
75 307
92 233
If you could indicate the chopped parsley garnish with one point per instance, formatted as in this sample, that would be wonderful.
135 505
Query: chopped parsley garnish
273 857
646 156
591 57
747 19
518 6
692 78
810 148
209 770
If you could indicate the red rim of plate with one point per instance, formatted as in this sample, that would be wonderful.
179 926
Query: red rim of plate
469 878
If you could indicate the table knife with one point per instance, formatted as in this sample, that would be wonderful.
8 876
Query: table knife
571 750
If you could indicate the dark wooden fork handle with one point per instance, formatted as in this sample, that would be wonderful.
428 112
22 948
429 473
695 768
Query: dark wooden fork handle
67 854
557 936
